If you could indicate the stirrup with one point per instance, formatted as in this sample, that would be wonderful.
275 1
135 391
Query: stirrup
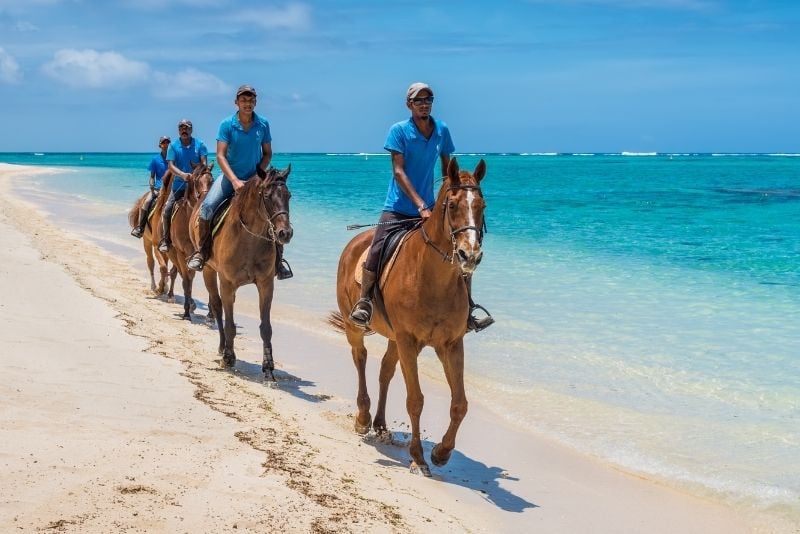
476 325
356 314
283 271
137 231
196 262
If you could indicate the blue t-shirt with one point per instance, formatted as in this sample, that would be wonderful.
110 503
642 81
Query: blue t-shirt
244 148
420 156
158 166
184 157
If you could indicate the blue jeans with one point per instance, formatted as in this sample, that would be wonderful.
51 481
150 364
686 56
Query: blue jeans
221 190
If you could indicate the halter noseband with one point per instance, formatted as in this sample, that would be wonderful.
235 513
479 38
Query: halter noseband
446 214
267 218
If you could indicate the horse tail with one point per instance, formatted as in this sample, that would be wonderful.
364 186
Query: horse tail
336 320
133 214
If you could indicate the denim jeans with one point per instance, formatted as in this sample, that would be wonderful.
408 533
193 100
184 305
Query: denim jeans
220 190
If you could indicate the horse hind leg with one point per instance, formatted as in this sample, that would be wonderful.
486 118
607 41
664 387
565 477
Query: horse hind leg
363 419
388 367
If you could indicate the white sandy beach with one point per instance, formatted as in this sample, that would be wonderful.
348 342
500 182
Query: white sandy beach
117 417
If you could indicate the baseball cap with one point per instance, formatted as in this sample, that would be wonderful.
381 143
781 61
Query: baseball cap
246 89
187 122
164 138
415 88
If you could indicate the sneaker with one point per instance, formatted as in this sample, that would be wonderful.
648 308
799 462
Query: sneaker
195 263
137 231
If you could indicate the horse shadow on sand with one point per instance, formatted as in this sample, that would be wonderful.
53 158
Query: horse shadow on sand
461 470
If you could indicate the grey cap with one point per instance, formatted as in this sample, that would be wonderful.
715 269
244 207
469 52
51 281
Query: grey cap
164 138
246 89
415 88
186 122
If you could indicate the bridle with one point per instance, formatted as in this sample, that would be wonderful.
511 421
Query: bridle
266 217
453 232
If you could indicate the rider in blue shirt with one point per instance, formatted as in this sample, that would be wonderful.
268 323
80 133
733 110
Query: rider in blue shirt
415 146
183 155
158 170
244 149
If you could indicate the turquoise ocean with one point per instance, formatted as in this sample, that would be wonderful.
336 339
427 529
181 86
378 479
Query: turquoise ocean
647 305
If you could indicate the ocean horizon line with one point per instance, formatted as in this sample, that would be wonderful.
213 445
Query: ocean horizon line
623 153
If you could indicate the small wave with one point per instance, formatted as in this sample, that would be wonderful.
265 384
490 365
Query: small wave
538 153
38 153
583 154
784 155
639 153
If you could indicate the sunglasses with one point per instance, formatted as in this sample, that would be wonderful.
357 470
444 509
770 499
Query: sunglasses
422 100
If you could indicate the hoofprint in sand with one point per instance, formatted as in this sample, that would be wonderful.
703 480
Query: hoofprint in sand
117 416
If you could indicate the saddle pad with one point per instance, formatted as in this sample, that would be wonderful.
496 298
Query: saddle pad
218 218
387 266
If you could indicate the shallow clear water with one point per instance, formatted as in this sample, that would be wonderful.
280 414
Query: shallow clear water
648 308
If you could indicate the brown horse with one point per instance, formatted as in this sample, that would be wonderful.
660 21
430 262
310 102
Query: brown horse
244 252
197 185
425 303
149 242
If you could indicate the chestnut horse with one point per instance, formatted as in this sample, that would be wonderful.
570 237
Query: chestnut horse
150 243
425 303
244 252
197 185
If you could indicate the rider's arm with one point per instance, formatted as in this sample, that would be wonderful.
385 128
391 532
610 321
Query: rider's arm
266 156
176 172
445 158
398 162
222 161
152 181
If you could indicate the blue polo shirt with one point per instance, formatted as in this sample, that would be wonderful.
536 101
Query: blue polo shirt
421 157
244 147
159 166
184 157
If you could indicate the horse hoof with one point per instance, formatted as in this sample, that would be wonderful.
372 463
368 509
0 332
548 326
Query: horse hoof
228 361
417 469
437 457
361 428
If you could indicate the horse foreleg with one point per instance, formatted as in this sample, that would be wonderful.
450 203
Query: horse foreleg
151 263
214 303
186 279
388 366
228 296
266 289
452 358
355 337
409 350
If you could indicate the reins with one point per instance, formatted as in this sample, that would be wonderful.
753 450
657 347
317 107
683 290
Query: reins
445 214
270 234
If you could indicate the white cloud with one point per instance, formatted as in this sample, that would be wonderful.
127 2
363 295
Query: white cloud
24 26
9 68
292 17
189 83
90 68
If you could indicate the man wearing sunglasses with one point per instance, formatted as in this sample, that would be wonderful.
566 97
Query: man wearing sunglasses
183 155
415 145
158 171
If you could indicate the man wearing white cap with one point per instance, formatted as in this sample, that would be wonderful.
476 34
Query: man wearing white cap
415 145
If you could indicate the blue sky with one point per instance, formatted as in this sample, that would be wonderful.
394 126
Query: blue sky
516 76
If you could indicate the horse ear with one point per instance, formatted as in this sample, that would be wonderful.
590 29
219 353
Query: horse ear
480 170
287 172
452 171
211 167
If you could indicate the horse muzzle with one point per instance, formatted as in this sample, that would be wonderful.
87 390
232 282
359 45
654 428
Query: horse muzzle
469 260
284 234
